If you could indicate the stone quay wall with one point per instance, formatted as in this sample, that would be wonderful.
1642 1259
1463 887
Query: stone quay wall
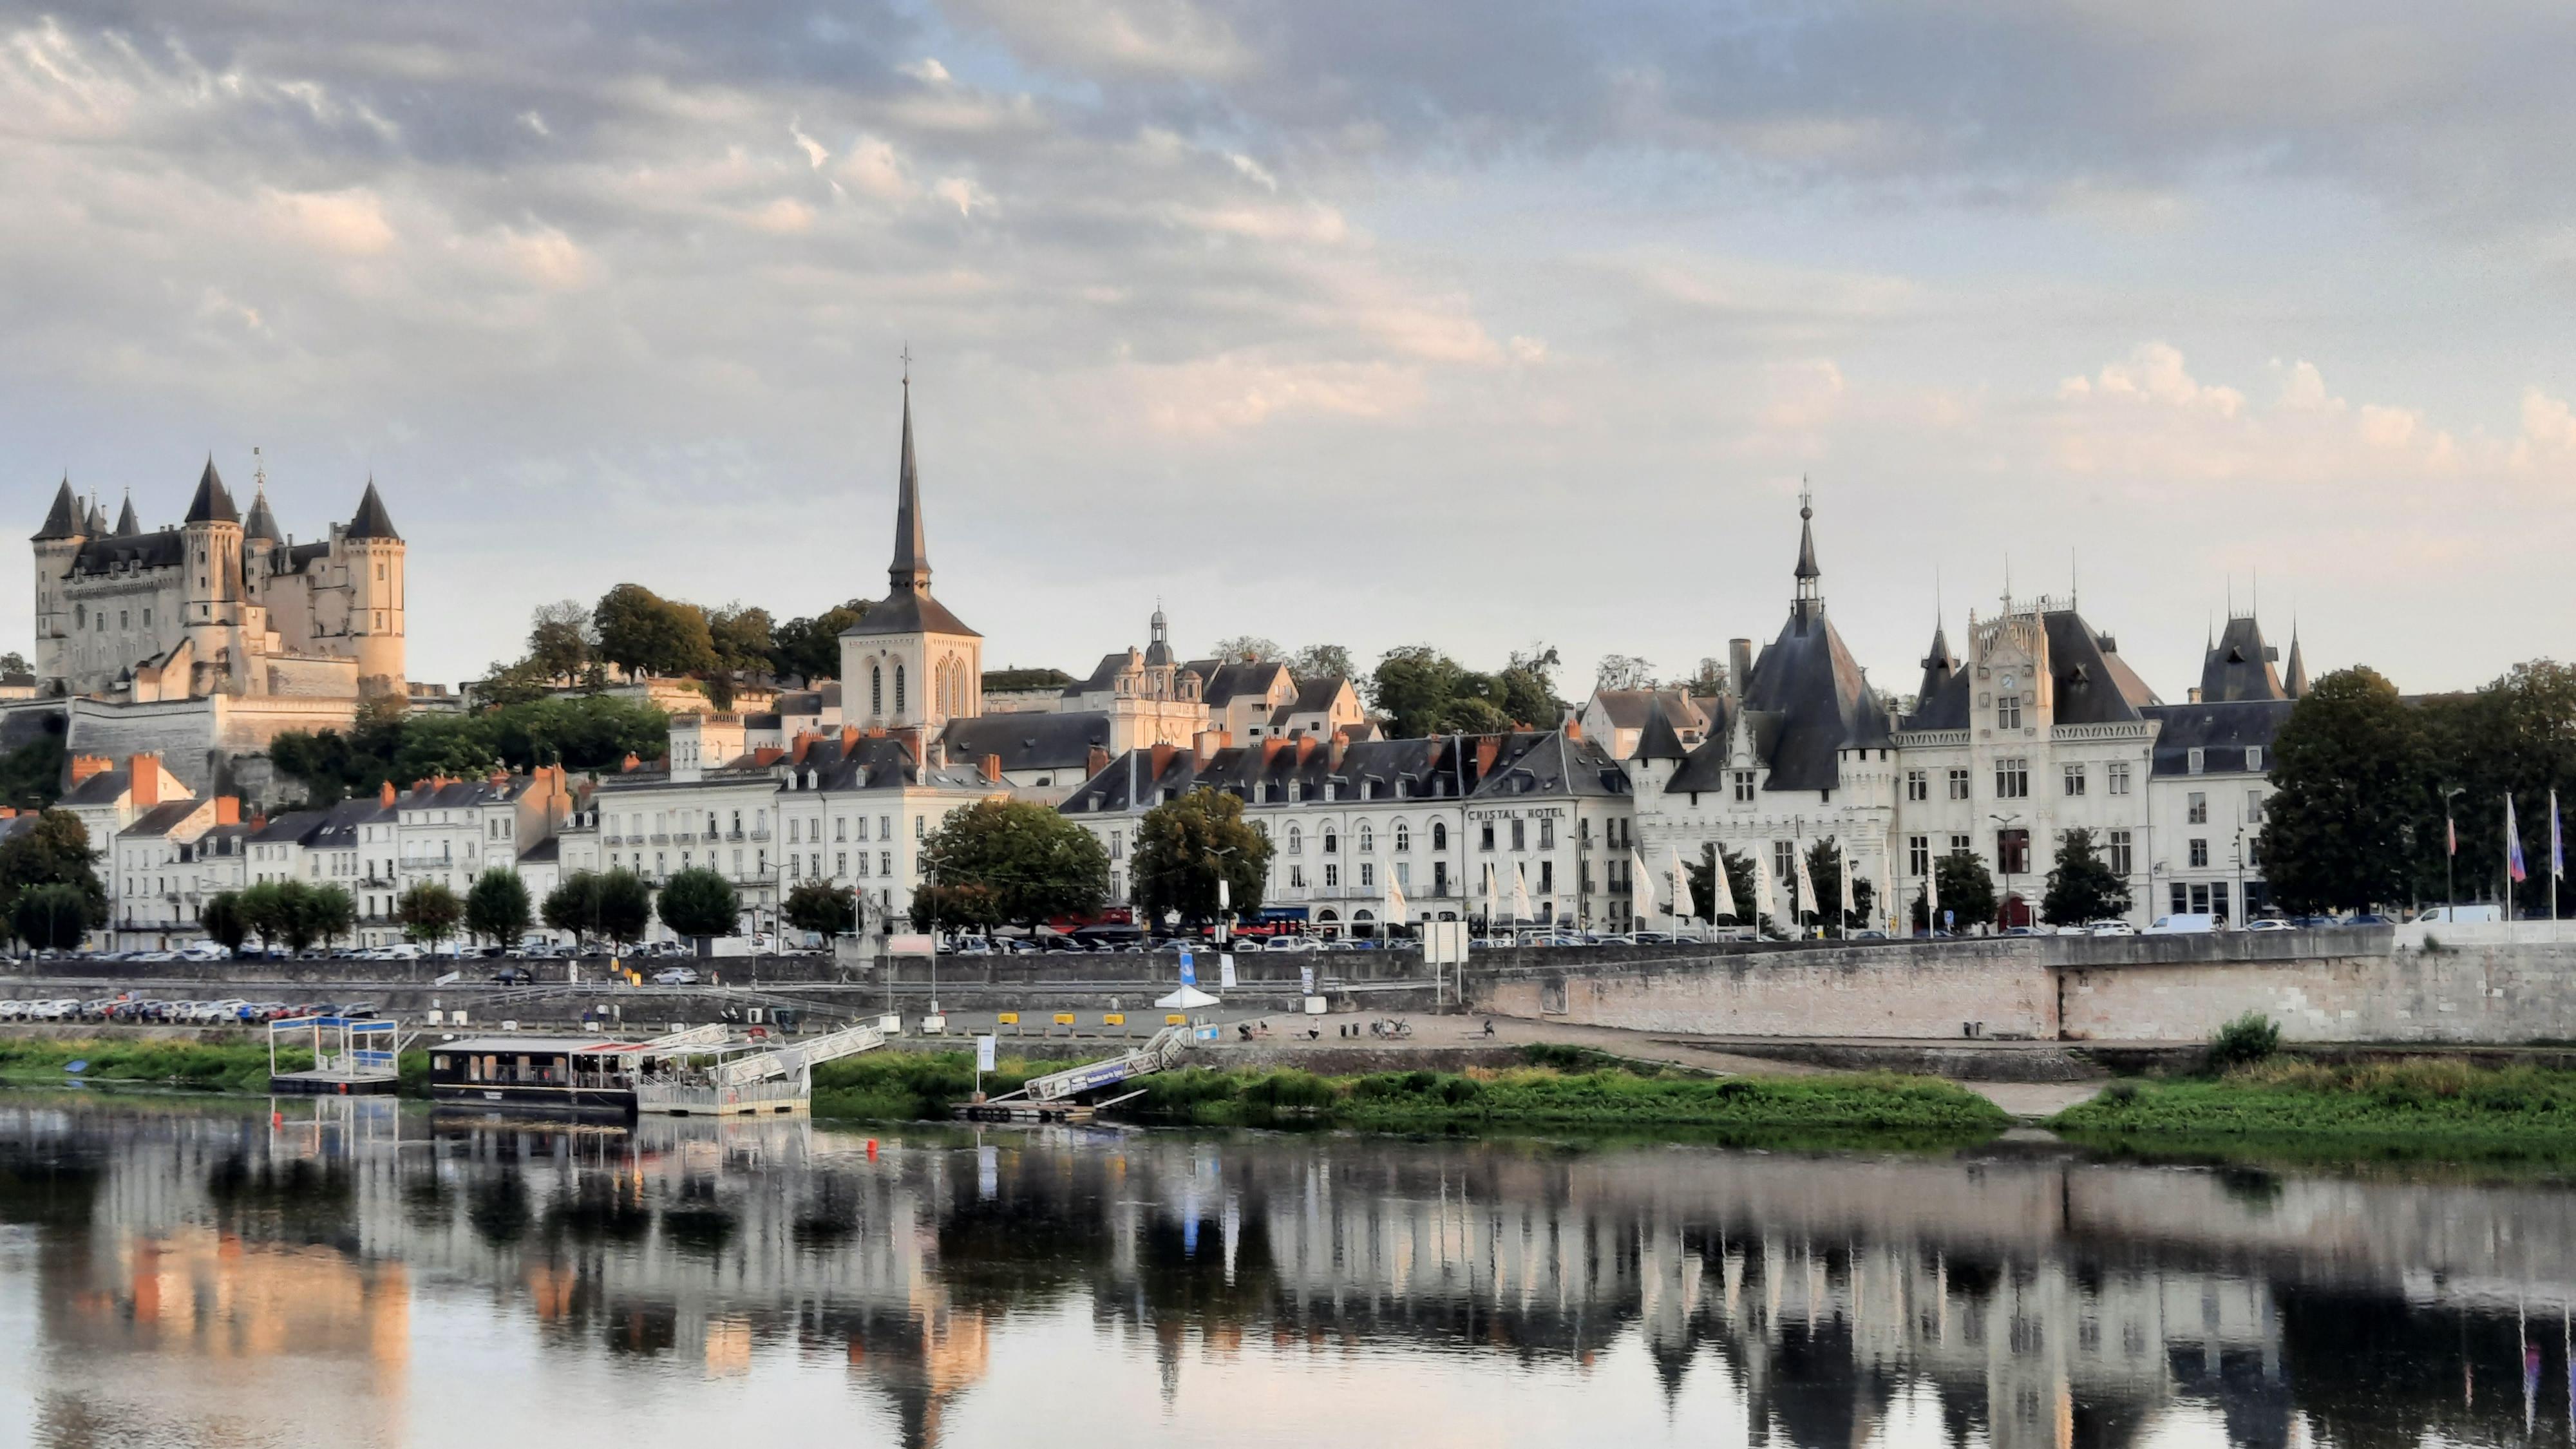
2358 985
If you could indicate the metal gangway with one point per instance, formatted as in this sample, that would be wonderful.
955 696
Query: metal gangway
744 1077
1159 1054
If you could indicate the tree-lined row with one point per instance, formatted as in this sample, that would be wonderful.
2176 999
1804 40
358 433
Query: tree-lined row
389 742
2368 783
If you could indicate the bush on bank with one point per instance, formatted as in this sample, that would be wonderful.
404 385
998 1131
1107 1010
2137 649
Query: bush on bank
888 1085
2411 1097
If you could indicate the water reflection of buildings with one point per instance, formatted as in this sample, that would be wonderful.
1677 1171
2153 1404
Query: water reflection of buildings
2040 1302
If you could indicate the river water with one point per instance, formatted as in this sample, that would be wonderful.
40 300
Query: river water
181 1272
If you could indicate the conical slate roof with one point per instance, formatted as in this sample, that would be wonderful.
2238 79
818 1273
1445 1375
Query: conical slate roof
212 503
262 524
95 521
1659 740
63 520
911 566
126 525
372 521
1807 544
2295 682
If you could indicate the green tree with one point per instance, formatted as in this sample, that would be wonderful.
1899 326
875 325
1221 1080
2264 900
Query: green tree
222 919
511 684
1245 647
820 908
1422 691
1185 846
54 851
1323 661
429 912
699 902
31 775
625 907
1739 885
743 638
642 632
496 907
326 913
262 906
1528 686
2082 886
963 907
51 916
1014 861
1825 868
810 648
560 641
1967 889
573 907
2349 796
1001 681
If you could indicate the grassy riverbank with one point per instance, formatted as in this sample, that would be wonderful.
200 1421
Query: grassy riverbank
2390 1108
1566 1091
195 1066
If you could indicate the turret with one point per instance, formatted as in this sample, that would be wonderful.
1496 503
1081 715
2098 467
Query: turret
373 550
211 582
57 541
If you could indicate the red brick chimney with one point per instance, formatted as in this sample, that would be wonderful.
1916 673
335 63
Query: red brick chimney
991 769
385 794
768 755
1095 761
630 764
1333 756
143 779
84 766
1573 725
1159 759
1489 748
228 810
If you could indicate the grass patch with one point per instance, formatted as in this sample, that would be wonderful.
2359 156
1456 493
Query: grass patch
899 1086
2425 1099
194 1066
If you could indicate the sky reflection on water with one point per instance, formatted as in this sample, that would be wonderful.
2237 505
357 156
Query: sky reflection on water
184 1274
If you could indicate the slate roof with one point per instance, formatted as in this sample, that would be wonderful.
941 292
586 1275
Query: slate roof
64 519
1551 762
161 819
262 524
908 611
1819 701
371 520
1659 740
2239 666
1941 703
1441 767
546 851
221 840
2220 731
2294 680
126 524
163 550
1102 679
340 823
1316 696
870 762
293 827
2094 684
103 788
1028 741
1706 765
1630 709
212 504
1226 678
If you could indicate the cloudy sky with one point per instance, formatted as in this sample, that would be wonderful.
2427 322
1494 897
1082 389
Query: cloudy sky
1472 321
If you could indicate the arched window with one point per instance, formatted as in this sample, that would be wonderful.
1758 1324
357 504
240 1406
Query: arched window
1439 835
1332 842
1403 837
876 689
898 689
1296 841
1368 838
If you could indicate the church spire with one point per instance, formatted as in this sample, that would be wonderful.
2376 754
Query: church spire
2295 683
1810 594
911 566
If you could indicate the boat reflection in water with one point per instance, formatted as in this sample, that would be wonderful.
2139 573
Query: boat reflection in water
352 1271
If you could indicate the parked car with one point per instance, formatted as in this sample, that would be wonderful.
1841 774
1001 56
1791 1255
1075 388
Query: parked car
2109 928
2369 918
513 976
676 976
2269 923
2187 923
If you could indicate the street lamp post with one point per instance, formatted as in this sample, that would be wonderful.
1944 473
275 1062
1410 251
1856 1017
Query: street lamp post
2004 861
2450 854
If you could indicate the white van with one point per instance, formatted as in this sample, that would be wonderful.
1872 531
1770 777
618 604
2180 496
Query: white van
198 953
2187 923
2461 915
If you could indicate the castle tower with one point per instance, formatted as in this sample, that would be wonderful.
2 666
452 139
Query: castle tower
909 661
211 588
56 542
373 551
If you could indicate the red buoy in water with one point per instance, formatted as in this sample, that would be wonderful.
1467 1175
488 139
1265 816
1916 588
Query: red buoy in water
872 1149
